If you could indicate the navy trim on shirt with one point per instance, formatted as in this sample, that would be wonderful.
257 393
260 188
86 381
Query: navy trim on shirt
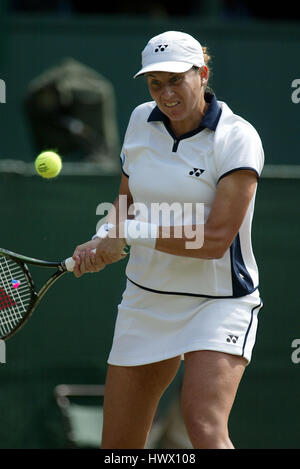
213 113
122 164
242 283
209 121
200 295
239 169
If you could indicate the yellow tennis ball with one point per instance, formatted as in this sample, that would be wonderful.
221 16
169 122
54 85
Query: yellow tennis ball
48 164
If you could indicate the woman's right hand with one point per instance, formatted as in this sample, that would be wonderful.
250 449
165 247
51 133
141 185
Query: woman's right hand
85 259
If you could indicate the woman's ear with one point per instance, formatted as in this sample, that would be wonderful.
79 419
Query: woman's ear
204 74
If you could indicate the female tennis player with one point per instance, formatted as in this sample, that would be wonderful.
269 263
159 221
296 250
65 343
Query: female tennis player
187 295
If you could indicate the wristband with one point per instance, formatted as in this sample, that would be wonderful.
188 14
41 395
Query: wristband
103 230
139 233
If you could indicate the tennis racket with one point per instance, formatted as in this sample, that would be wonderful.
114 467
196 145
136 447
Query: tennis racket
18 297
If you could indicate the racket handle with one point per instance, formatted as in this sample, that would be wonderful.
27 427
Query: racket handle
101 233
70 263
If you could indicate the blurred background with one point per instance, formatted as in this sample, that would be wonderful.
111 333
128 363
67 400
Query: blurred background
66 71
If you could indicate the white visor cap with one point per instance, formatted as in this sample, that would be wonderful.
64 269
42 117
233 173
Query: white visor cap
172 51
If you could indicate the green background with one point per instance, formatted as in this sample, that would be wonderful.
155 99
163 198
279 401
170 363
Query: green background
69 336
253 66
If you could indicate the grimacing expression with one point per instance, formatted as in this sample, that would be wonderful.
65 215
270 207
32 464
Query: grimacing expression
176 94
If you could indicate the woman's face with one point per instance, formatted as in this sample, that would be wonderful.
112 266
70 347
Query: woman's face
178 95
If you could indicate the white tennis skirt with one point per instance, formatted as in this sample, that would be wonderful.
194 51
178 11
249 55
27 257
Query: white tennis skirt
151 327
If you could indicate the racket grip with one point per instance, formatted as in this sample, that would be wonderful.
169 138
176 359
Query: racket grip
70 263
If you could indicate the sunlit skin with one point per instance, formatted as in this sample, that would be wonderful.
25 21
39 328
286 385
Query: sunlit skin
180 96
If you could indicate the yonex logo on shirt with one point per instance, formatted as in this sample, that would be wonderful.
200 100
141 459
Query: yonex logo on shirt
196 172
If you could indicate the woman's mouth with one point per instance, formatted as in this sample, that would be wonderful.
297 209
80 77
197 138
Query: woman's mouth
172 104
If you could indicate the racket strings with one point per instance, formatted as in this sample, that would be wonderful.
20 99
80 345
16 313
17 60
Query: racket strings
15 295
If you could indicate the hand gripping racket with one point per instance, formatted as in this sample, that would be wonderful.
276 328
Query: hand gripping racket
18 297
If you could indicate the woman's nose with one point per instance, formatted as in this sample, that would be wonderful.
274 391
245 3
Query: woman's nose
167 92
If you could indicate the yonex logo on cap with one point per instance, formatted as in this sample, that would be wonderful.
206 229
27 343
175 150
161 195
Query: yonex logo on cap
161 48
181 52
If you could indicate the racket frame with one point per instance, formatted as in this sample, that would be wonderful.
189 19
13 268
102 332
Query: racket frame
36 296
